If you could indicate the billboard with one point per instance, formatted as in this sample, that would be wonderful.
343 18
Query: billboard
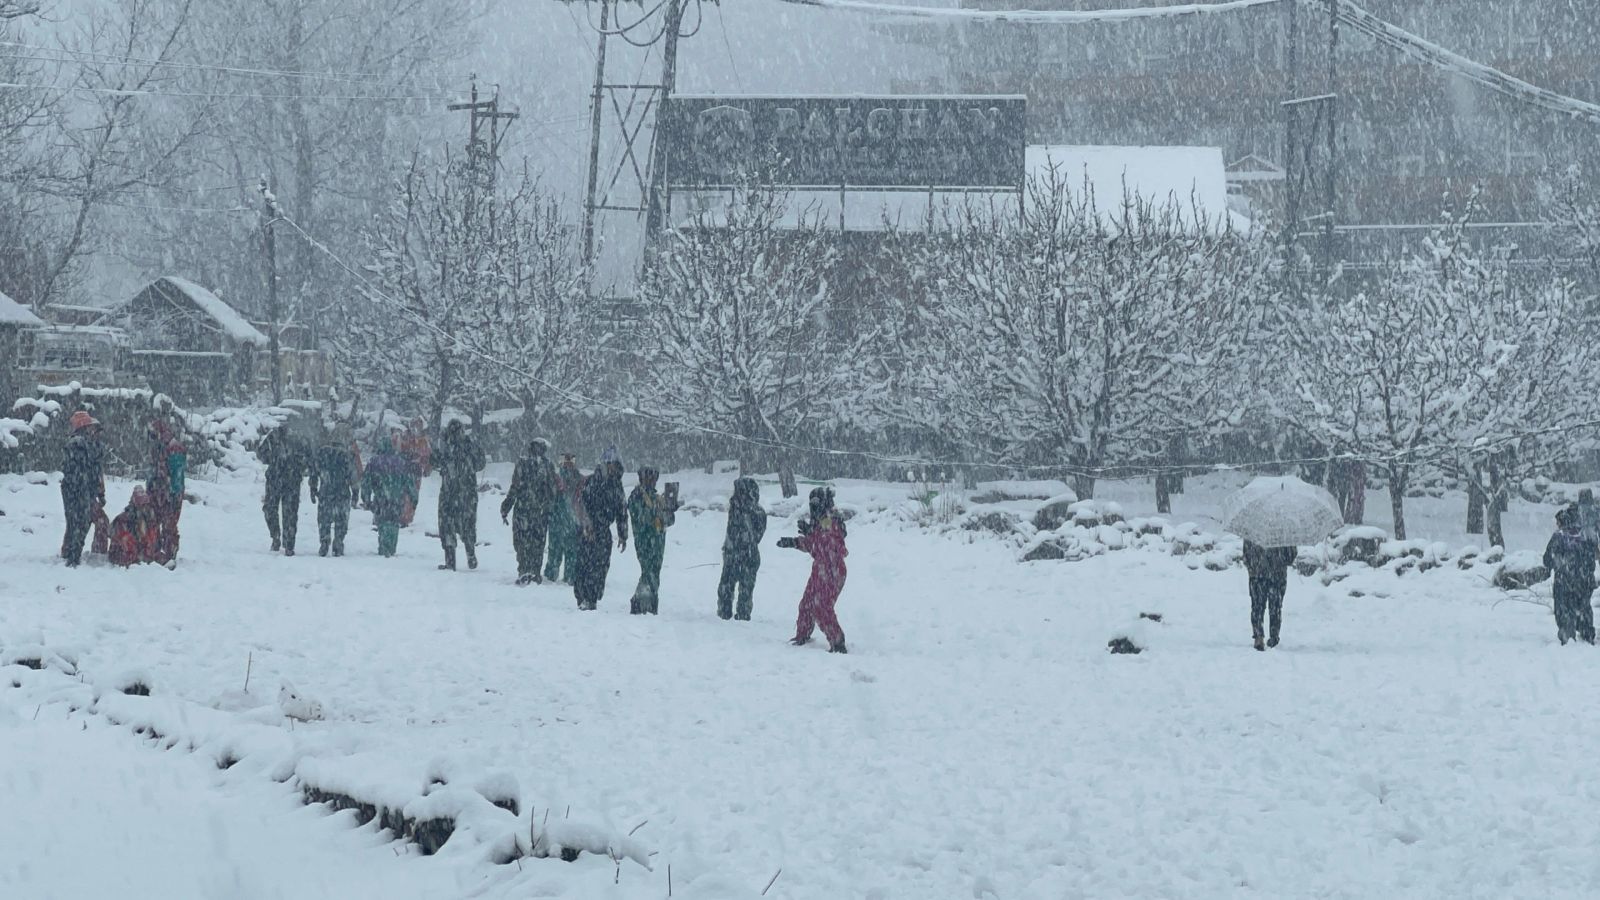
890 142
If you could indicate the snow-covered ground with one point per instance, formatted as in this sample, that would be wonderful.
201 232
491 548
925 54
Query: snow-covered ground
1421 739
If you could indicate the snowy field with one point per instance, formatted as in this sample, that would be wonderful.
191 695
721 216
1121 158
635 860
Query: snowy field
1418 740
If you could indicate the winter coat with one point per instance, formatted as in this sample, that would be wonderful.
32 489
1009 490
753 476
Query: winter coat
824 540
1268 566
389 482
459 459
747 521
1570 557
650 516
82 479
414 446
566 511
604 506
169 466
135 537
287 459
534 489
335 478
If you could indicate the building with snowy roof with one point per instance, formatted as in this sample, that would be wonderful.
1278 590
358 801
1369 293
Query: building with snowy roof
14 317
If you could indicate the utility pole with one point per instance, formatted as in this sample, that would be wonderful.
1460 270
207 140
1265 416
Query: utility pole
657 203
1311 144
483 158
594 145
270 214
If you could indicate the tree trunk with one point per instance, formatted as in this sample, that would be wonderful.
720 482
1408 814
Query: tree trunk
1497 503
1083 486
1397 502
786 479
1163 495
1475 502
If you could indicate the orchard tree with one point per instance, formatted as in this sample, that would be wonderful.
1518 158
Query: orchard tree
740 332
1087 338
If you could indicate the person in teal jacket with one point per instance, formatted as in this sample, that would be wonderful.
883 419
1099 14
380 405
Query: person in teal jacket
387 487
651 515
561 561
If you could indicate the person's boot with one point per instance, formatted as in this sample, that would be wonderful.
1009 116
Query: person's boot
276 544
524 580
837 648
1273 641
449 563
338 549
799 641
322 549
1260 641
472 558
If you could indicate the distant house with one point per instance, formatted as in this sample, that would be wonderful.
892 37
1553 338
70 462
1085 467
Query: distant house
14 318
186 342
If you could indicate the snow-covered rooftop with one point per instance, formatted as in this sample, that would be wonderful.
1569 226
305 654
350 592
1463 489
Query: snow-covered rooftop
14 313
232 323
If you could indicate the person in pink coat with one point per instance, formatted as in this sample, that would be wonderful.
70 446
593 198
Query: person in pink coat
822 535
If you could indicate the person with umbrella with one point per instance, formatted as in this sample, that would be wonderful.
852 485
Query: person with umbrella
1274 516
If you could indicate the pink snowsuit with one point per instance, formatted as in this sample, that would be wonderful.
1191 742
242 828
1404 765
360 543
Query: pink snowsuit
825 543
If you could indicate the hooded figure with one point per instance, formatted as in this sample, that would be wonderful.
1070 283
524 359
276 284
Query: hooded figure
650 515
335 487
169 466
562 563
288 460
1570 557
532 495
603 506
459 459
1269 580
388 485
83 484
135 532
822 534
741 550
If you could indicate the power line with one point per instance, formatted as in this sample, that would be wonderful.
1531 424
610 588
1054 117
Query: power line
1036 17
146 92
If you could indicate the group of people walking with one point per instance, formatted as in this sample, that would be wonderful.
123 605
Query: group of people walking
562 521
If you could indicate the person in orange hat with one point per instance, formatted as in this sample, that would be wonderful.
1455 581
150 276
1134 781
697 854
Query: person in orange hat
83 484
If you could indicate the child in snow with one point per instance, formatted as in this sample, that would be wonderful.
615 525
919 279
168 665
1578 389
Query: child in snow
169 464
650 515
1570 557
821 535
741 550
388 486
136 532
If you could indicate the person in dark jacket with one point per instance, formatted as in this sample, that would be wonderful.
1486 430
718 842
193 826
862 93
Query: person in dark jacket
83 483
288 460
458 459
389 488
822 535
335 487
562 563
532 495
1269 580
603 507
741 550
1570 557
651 515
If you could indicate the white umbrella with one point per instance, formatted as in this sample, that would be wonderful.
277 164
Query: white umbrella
1281 512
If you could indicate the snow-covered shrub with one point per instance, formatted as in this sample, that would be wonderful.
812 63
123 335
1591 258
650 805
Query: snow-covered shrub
1521 571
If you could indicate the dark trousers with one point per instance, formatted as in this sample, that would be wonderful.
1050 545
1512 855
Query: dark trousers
1266 597
333 520
80 516
281 506
528 535
594 562
1574 616
738 576
458 517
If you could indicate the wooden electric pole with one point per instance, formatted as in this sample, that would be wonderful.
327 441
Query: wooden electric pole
270 214
483 157
594 145
657 202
